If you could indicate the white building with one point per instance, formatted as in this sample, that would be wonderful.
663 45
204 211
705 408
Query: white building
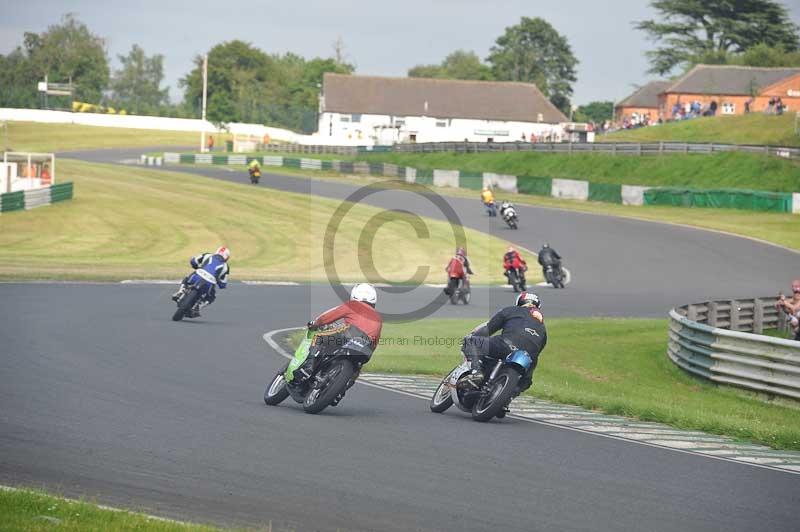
378 110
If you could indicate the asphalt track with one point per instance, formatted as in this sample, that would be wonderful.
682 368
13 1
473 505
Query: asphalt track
102 395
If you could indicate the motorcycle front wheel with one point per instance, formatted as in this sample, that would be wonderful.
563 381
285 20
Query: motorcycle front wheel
277 390
334 382
499 394
442 398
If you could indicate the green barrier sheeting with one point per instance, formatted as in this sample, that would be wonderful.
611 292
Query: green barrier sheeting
605 192
187 158
375 149
219 159
540 186
61 192
424 176
12 201
376 168
291 163
327 165
471 180
752 200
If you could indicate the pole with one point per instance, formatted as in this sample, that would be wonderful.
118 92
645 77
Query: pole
205 90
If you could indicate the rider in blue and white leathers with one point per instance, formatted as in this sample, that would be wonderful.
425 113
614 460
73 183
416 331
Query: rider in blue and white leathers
214 263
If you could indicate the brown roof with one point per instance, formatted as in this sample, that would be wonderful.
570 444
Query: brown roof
731 80
440 98
645 96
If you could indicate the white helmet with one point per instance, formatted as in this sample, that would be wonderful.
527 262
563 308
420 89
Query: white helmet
224 252
364 292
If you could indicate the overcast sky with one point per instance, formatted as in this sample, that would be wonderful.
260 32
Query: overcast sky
380 37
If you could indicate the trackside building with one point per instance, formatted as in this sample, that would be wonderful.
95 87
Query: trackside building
381 110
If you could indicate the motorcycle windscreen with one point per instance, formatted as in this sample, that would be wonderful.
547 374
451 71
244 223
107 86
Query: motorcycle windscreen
520 358
300 356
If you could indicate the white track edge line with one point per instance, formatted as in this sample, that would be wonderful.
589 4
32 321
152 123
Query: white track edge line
268 338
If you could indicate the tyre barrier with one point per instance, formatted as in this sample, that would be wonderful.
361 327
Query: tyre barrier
713 351
30 199
572 189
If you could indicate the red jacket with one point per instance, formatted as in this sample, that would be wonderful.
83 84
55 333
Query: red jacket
513 260
355 313
455 270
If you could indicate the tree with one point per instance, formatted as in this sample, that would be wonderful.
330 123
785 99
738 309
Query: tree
596 112
691 31
460 64
65 51
534 52
137 85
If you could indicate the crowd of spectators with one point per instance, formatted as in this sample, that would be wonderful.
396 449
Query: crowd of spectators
791 307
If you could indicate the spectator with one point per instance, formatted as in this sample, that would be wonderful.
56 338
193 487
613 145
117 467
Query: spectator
791 307
210 143
770 106
779 105
523 137
713 107
747 105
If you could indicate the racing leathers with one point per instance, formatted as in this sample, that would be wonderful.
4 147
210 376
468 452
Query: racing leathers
521 328
549 257
513 260
216 266
457 269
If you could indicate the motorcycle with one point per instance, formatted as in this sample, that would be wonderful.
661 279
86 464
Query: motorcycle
554 275
510 217
516 278
255 175
487 399
200 283
462 292
318 378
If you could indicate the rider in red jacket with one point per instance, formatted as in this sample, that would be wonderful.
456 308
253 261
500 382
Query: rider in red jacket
457 269
513 260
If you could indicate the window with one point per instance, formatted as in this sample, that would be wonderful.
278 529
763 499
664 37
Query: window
400 122
356 118
441 123
344 118
728 108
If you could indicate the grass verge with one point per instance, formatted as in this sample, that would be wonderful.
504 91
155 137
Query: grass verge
754 128
720 170
133 222
617 366
37 137
33 511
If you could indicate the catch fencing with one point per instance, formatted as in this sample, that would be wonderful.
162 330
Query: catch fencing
721 341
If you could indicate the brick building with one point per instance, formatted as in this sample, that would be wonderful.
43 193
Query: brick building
731 87
642 102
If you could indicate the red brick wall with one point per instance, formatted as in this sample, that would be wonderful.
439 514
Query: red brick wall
622 112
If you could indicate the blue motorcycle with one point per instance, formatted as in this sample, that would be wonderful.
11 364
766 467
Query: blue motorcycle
198 287
487 399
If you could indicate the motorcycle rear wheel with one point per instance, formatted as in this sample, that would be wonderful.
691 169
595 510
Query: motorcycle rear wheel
185 304
336 377
501 392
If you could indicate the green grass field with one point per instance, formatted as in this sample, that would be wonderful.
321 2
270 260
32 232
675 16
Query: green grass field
133 222
723 170
36 137
755 128
35 511
617 366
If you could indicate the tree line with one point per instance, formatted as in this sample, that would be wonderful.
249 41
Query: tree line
246 84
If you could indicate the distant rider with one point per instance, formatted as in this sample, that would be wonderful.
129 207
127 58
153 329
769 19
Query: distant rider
522 327
513 260
549 257
214 263
356 323
457 269
253 167
487 197
505 206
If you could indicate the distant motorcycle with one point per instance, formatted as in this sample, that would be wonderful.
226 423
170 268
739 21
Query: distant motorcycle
484 400
199 285
516 278
318 378
255 175
554 275
462 292
510 217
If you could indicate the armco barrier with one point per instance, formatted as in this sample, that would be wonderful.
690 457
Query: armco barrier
540 186
30 199
712 350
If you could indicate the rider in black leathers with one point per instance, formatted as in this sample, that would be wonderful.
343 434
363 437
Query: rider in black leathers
549 257
522 327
